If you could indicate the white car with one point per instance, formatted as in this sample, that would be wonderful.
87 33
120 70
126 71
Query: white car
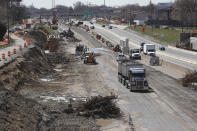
121 57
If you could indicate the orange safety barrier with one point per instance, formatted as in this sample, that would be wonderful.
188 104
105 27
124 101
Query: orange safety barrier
3 56
14 51
25 44
20 48
9 53
28 41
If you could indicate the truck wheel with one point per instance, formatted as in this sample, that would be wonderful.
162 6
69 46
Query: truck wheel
124 83
131 89
127 86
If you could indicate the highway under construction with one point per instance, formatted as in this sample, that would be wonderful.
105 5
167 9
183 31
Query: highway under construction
45 85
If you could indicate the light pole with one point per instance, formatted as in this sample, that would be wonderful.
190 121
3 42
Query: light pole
8 21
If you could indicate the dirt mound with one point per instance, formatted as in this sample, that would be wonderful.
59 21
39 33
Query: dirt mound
18 113
30 67
39 38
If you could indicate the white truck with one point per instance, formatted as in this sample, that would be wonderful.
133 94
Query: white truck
135 54
149 49
132 75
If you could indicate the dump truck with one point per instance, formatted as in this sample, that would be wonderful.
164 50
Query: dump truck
133 75
135 54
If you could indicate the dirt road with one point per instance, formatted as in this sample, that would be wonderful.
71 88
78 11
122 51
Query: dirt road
170 107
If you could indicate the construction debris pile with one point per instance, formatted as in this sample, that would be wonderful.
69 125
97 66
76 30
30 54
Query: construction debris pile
100 107
189 79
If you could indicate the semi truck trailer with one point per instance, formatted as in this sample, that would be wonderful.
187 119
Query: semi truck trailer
132 75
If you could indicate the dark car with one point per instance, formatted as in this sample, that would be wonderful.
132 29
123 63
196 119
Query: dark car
110 27
162 48
76 25
92 27
142 46
103 25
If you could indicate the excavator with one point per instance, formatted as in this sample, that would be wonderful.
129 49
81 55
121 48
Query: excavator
90 59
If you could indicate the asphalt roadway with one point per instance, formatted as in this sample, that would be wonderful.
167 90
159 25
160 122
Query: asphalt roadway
183 58
167 107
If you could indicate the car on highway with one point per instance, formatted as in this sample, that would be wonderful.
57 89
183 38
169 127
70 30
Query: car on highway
76 25
162 48
110 27
142 46
121 57
92 27
103 25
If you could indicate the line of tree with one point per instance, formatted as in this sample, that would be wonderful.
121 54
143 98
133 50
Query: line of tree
13 10
185 11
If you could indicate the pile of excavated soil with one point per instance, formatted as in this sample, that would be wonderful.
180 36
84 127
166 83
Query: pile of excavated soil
39 38
18 113
30 67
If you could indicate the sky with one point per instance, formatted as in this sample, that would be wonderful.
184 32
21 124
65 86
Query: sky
48 3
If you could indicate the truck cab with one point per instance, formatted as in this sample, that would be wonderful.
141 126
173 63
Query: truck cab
137 79
135 54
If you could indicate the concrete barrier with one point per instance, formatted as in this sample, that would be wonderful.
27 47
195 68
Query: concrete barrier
183 50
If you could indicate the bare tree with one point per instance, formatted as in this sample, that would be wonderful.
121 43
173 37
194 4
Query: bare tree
185 11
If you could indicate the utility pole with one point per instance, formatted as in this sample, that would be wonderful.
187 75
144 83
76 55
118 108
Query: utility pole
130 16
8 21
151 11
104 8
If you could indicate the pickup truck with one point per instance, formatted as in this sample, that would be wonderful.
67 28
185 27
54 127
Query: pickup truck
135 54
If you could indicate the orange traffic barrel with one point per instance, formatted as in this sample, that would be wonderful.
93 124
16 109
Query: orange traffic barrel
3 56
28 41
14 51
20 48
25 44
9 53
